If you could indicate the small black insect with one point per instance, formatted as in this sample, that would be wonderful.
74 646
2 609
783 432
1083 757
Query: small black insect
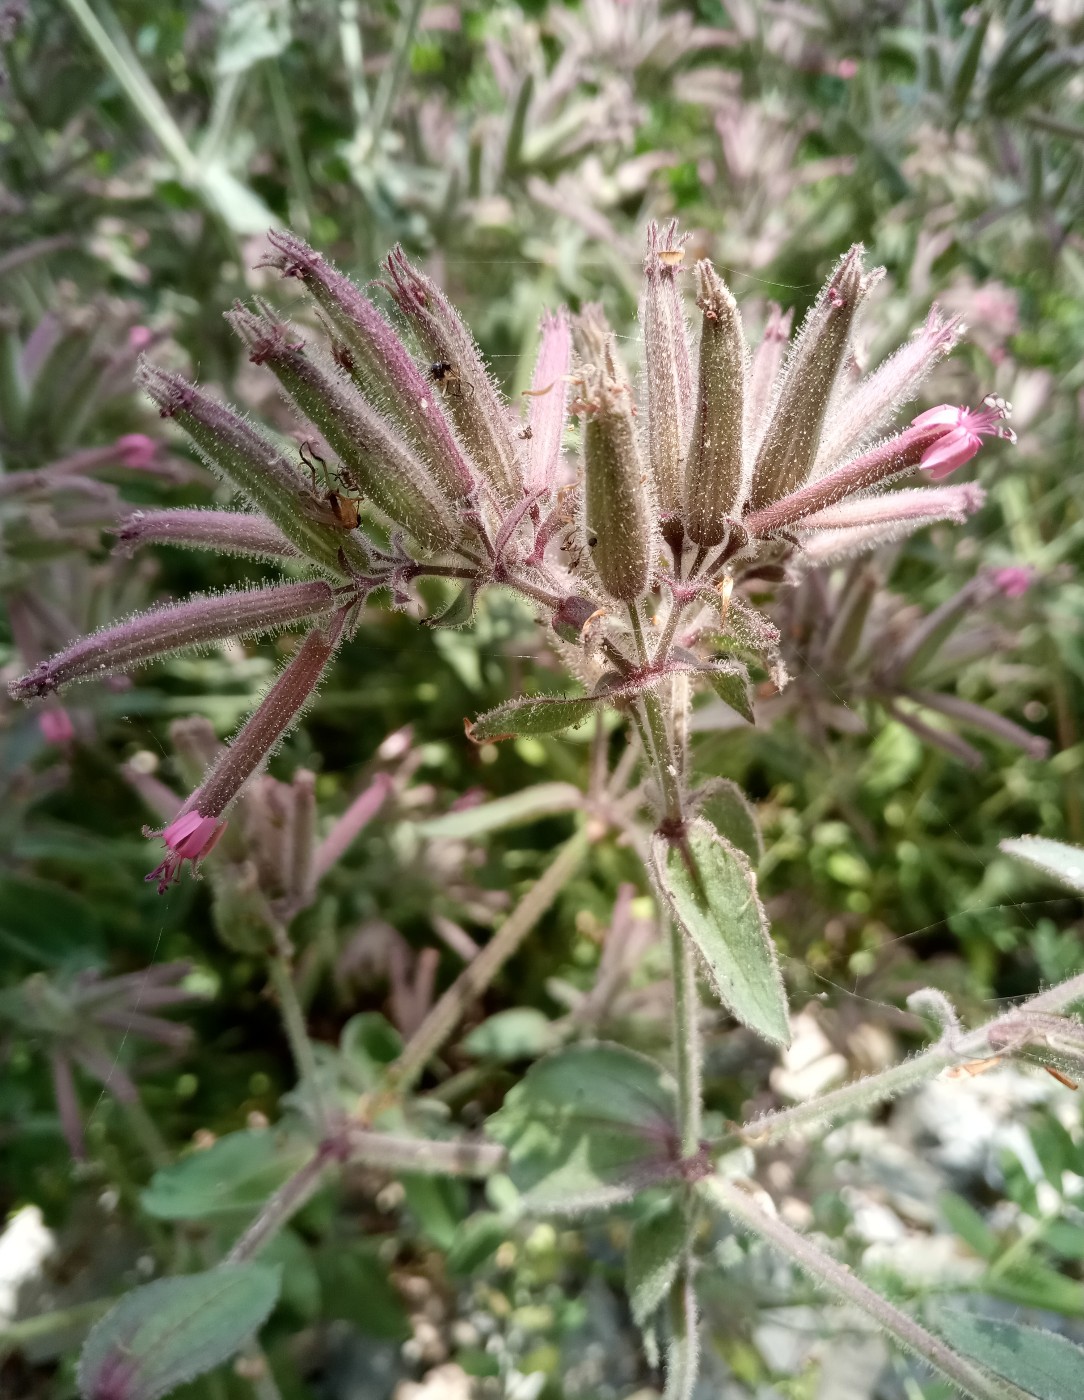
447 378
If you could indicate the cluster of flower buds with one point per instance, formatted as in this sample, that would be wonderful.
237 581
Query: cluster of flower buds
720 464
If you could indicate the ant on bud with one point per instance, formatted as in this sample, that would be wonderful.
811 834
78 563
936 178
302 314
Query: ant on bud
343 508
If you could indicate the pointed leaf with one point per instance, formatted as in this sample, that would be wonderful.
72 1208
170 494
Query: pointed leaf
1064 863
654 1257
712 894
544 714
233 1177
730 681
166 1333
731 814
1045 1365
588 1126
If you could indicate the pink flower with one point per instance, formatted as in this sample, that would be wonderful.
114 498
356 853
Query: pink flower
56 726
139 337
1013 581
966 429
136 450
189 837
846 68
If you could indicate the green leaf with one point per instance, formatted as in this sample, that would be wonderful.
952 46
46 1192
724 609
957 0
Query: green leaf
168 1332
725 805
476 1239
1064 863
712 893
520 1033
968 1224
545 714
730 681
356 1288
542 800
1045 1365
587 1127
234 1177
654 1257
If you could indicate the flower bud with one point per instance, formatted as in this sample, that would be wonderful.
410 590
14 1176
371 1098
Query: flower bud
713 477
470 395
167 630
277 712
667 374
617 504
225 531
789 447
239 454
382 464
378 362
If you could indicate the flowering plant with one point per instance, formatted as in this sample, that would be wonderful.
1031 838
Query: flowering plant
720 473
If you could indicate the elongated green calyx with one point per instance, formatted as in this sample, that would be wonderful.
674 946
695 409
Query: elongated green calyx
469 394
377 458
789 447
713 476
617 503
250 462
378 362
667 372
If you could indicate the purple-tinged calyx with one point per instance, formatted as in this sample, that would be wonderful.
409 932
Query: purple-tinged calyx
378 362
383 466
225 531
938 441
460 375
248 460
175 627
276 713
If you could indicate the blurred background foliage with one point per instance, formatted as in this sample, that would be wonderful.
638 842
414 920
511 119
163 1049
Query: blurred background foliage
519 149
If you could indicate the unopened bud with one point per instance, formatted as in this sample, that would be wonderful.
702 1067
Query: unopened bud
167 630
790 444
276 713
469 393
378 362
383 466
239 454
225 531
713 478
617 504
667 374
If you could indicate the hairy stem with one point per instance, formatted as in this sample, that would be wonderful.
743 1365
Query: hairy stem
743 1209
283 1205
879 1088
686 1040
